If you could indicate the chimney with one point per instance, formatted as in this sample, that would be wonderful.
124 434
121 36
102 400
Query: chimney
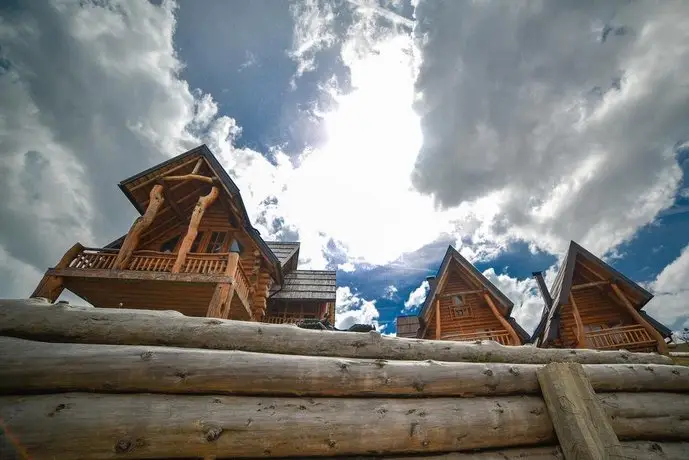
431 281
544 289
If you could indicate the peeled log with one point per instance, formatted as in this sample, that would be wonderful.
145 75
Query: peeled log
96 426
42 321
131 368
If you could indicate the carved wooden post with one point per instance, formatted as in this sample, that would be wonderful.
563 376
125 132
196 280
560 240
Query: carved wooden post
138 227
51 287
513 335
219 306
201 206
662 346
437 319
581 339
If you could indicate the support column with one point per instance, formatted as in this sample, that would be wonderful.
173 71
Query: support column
437 319
581 339
583 428
219 306
138 227
662 346
201 206
51 287
513 335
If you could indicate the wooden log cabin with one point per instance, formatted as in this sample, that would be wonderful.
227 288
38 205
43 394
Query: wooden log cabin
195 251
592 305
463 305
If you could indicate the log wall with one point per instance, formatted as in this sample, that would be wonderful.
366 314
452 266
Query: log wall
101 384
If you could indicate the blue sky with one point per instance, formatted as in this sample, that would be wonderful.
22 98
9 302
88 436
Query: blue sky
377 132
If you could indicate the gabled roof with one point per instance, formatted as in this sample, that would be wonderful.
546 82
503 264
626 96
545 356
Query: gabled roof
559 291
286 252
453 255
228 185
307 285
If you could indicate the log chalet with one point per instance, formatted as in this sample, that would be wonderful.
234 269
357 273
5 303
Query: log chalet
463 305
592 305
193 250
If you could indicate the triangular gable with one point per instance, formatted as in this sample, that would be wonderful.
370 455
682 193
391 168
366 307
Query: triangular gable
287 253
593 269
452 255
181 164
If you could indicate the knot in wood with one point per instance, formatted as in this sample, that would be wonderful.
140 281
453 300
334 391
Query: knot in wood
123 446
488 372
514 371
146 355
212 433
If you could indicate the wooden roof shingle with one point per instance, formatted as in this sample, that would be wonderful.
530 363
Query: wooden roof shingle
307 285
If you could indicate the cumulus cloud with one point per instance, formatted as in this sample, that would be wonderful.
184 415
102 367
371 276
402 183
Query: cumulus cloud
567 115
352 309
416 297
390 292
670 304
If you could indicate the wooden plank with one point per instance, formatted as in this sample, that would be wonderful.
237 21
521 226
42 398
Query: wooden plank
42 321
120 368
662 346
582 426
194 221
464 292
173 205
506 325
140 225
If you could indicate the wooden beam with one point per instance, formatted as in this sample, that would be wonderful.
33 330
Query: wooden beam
576 287
157 177
505 324
581 342
173 205
583 428
41 321
140 224
201 206
662 346
219 306
452 294
591 270
135 275
186 177
197 166
51 286
437 320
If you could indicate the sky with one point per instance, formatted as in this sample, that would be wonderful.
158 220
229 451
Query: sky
376 132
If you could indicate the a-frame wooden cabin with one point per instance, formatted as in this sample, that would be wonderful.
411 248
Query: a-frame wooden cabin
592 305
463 305
193 250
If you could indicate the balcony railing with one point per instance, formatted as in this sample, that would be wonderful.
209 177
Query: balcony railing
154 261
633 336
501 336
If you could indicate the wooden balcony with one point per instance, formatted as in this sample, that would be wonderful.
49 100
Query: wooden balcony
501 336
632 338
90 274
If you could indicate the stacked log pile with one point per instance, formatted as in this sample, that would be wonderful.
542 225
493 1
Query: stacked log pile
89 383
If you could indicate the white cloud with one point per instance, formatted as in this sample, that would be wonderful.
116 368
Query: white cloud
313 31
416 297
351 309
670 304
390 292
572 137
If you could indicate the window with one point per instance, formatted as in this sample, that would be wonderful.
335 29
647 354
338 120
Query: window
216 242
457 300
169 245
197 242
460 311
